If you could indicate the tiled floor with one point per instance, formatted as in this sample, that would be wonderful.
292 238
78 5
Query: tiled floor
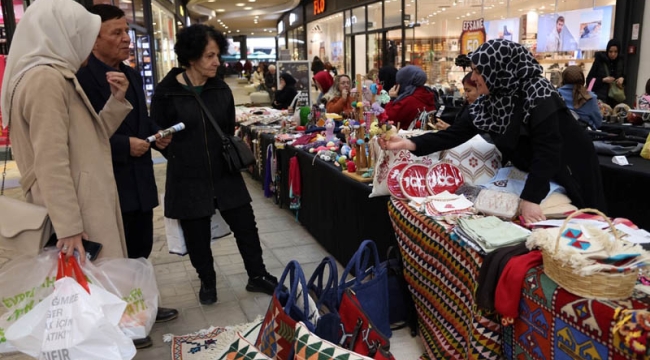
283 239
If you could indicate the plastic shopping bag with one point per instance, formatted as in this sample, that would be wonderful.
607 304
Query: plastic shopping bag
174 232
134 281
24 282
73 322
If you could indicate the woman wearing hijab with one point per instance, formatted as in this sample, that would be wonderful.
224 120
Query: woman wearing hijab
60 143
323 81
338 98
608 68
578 98
198 179
286 92
411 96
528 122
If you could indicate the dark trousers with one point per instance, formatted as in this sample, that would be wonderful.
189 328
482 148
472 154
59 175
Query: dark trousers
242 223
138 232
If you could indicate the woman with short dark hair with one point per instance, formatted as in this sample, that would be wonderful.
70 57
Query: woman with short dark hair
198 179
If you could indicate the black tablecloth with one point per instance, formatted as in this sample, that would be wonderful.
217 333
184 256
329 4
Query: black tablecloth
627 189
335 209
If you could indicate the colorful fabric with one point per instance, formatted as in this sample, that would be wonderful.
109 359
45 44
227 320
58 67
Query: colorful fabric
241 349
310 347
277 333
441 274
555 324
197 346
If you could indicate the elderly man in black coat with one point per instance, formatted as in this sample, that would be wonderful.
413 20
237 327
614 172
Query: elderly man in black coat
132 164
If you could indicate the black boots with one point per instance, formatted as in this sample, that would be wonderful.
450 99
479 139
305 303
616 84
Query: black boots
208 292
264 284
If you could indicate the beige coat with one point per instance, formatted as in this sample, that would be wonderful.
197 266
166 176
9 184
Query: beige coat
63 153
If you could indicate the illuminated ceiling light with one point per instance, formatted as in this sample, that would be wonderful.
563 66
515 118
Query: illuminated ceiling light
229 31
430 15
237 30
251 0
240 4
257 16
408 4
248 8
212 1
221 10
444 9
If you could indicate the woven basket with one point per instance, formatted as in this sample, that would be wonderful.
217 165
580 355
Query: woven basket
603 285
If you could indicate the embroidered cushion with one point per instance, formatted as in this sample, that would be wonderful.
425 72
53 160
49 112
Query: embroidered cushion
477 159
308 346
242 349
386 159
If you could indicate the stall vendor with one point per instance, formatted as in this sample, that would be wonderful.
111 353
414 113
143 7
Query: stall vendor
528 122
338 98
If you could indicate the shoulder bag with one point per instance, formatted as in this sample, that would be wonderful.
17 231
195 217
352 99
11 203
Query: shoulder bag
237 154
615 92
24 227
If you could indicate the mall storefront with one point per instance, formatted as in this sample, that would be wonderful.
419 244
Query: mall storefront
357 36
153 25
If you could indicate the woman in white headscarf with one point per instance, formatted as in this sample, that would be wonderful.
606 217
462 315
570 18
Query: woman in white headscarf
61 145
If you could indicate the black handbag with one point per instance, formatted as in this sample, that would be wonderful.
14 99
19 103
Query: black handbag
237 154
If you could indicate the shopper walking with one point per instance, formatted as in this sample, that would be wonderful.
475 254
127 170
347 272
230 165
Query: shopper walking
198 179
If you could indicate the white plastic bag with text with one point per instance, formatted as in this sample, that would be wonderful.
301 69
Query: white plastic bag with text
73 324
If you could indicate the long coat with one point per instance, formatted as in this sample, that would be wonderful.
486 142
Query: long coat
197 174
135 178
63 153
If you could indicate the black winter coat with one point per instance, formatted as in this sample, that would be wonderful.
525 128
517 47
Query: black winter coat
197 174
599 70
551 146
134 176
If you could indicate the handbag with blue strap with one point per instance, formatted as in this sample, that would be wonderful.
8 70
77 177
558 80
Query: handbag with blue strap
324 291
370 285
287 307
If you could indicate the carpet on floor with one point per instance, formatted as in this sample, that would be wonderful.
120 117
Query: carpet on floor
209 344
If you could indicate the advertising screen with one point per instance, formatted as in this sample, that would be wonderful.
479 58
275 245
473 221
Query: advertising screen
584 29
502 29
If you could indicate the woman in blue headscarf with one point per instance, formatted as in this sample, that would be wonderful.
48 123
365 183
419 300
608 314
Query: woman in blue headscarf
528 122
412 97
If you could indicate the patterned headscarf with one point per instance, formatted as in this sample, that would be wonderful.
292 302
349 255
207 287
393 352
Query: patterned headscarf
409 78
573 75
509 71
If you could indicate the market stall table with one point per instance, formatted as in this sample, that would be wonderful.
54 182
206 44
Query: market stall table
553 324
335 209
627 189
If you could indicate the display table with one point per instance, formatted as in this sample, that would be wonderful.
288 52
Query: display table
627 189
553 324
335 209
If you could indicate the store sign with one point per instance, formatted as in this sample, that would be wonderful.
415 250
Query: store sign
350 21
319 7
473 35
